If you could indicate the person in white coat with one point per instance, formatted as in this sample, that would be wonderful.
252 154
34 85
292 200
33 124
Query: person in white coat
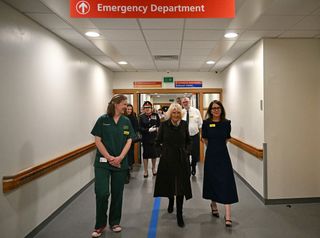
193 116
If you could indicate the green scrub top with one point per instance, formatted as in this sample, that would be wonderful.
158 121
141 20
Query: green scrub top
114 137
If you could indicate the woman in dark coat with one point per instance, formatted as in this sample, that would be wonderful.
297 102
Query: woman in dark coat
173 178
218 180
149 123
135 125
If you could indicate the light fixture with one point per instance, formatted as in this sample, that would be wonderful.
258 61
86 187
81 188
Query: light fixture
123 62
231 35
210 62
92 34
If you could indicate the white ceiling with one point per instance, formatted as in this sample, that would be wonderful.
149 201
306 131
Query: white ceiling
194 40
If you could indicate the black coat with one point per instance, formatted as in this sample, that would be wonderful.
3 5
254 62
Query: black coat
134 121
173 176
145 122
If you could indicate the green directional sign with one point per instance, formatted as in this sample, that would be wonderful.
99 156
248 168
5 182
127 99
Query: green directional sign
168 79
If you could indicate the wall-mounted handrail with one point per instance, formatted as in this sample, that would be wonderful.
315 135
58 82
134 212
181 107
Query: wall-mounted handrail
248 148
22 177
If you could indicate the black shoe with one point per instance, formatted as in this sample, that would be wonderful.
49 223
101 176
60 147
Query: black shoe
170 206
214 211
180 220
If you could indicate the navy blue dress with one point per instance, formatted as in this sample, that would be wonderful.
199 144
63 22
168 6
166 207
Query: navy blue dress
218 181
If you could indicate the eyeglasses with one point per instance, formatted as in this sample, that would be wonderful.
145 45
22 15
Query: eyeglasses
216 108
146 107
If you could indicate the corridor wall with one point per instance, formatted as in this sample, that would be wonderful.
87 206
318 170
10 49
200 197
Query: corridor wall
272 95
50 96
292 116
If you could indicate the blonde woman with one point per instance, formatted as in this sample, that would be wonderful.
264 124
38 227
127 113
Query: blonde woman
173 178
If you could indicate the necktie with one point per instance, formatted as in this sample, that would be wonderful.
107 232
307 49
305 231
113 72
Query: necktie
188 117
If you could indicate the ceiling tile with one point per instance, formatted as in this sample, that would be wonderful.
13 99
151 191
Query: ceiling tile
133 51
308 23
198 44
122 35
299 34
193 58
292 7
164 45
175 35
129 44
130 47
256 35
190 64
161 23
207 23
167 65
203 35
195 52
275 22
165 51
118 24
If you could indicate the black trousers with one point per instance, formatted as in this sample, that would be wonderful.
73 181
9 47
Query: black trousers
195 149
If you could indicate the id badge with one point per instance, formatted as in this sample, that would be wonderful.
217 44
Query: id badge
103 160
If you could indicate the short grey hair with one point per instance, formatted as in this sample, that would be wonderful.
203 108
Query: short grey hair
172 107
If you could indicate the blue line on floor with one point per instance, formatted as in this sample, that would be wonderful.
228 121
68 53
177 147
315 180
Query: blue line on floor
152 233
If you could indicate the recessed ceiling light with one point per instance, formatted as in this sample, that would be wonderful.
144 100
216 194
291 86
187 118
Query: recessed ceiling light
210 62
122 62
231 35
92 34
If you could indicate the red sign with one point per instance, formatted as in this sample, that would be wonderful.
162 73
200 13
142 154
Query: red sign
152 8
147 84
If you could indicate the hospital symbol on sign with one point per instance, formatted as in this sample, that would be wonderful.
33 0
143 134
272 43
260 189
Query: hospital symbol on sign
83 7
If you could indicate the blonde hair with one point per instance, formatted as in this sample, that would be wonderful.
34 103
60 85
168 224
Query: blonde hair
172 107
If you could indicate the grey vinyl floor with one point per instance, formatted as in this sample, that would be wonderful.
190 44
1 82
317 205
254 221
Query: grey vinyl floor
251 218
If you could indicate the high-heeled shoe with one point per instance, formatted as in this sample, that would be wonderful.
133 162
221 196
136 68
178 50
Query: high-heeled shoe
214 211
154 172
146 175
228 222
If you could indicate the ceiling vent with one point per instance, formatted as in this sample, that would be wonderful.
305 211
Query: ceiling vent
166 57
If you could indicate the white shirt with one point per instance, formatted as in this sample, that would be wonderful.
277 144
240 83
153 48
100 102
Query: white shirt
195 120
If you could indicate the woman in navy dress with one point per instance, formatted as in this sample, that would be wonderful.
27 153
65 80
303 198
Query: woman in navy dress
218 182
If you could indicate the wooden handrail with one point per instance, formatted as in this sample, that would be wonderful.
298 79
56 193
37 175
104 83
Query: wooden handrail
14 181
248 148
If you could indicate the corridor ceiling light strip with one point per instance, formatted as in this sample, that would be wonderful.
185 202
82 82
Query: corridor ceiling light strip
92 34
210 62
231 35
123 62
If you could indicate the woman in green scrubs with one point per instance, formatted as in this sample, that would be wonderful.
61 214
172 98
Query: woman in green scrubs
113 136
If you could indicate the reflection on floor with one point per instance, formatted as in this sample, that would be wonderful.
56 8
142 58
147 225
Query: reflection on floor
251 218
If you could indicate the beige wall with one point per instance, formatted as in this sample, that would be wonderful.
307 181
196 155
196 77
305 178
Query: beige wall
243 91
50 96
292 116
